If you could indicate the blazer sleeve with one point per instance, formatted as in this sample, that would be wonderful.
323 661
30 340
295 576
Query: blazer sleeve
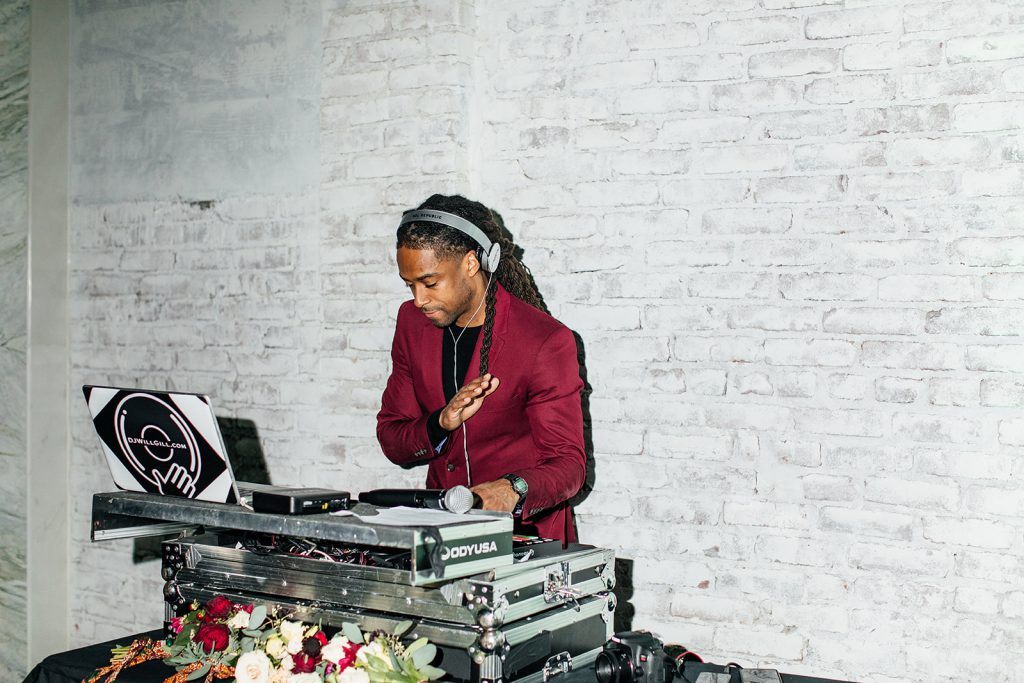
402 422
556 423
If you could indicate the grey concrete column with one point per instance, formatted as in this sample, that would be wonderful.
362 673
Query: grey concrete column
48 459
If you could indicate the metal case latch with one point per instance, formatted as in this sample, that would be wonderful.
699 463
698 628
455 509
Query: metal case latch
558 664
558 586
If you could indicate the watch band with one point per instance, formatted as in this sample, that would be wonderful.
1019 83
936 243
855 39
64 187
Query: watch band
521 488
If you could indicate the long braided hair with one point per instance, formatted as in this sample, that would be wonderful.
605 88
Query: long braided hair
447 242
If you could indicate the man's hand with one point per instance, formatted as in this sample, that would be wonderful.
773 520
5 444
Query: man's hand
465 403
497 495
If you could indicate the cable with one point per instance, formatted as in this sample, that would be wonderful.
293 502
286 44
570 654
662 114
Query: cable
455 373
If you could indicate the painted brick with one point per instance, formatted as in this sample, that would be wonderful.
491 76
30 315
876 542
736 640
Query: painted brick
1004 393
903 186
912 355
969 532
845 219
926 288
754 95
897 390
985 48
839 422
974 117
949 150
857 320
903 119
935 84
826 287
705 67
743 158
944 391
848 89
793 62
924 428
889 525
838 155
755 31
890 55
774 318
795 125
1011 432
732 285
740 221
1004 358
851 22
976 321
845 386
989 251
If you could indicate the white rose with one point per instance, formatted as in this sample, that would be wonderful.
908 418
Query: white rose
240 620
287 664
333 652
275 648
252 667
354 675
305 678
374 649
291 630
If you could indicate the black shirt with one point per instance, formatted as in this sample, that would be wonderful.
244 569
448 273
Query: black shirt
454 366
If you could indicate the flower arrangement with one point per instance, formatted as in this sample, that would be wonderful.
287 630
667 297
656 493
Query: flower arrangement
222 640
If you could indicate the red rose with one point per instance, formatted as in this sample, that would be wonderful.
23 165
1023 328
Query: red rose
220 607
212 637
304 664
321 636
246 608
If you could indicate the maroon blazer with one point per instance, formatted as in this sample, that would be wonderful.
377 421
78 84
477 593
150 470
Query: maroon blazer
532 425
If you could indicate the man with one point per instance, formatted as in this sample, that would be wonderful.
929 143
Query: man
485 385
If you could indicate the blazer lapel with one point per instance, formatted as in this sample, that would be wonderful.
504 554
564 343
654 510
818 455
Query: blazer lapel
430 373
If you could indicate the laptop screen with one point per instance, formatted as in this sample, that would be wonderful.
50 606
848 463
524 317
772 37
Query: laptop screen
162 442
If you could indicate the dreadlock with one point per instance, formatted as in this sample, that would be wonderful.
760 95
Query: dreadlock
447 242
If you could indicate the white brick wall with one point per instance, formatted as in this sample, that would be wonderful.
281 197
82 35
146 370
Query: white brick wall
788 232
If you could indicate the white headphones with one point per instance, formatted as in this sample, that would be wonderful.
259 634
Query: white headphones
489 253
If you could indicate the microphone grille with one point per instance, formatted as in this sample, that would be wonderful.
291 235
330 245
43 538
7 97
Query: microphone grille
458 499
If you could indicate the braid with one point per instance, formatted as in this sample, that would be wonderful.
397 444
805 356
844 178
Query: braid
485 345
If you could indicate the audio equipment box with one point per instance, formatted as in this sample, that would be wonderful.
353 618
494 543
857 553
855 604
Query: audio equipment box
497 607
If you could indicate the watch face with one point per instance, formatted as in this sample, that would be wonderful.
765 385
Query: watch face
519 484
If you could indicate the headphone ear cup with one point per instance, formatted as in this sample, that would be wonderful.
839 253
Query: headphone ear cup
490 262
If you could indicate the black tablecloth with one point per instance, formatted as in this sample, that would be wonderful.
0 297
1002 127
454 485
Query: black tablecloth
75 665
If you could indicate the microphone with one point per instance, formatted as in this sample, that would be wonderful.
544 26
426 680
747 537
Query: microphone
456 499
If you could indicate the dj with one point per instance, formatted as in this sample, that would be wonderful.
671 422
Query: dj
485 385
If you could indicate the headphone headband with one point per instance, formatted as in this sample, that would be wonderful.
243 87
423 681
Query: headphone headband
491 250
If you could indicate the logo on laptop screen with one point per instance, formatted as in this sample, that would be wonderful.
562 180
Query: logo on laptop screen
158 444
162 442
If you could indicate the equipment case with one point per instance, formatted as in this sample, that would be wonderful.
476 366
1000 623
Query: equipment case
491 617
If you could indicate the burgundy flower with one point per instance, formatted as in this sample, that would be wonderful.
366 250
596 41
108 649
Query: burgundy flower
212 637
311 646
303 663
220 607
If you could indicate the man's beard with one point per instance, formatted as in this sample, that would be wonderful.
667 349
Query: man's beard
461 308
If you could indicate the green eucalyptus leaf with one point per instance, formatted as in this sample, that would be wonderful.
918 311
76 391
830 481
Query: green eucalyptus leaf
352 632
403 627
252 632
414 645
199 673
432 672
259 613
424 655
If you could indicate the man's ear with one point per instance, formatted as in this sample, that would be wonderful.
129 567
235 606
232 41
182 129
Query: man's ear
470 263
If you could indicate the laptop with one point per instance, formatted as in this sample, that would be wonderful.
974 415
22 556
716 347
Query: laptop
162 442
